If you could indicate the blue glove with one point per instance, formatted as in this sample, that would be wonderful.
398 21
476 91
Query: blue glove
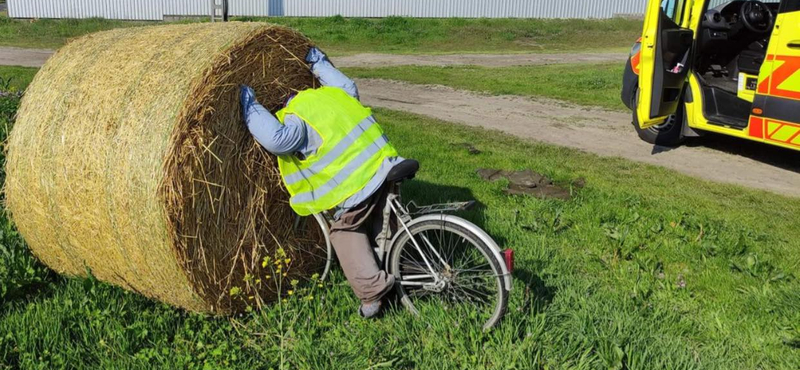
247 97
315 55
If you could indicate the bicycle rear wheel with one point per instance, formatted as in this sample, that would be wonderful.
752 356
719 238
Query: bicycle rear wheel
466 277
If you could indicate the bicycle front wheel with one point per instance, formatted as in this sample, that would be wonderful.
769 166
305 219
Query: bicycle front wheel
447 266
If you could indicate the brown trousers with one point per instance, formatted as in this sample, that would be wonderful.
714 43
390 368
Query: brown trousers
352 237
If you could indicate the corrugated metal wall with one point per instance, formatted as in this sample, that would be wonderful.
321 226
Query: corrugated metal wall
184 8
254 8
464 8
151 10
131 9
157 9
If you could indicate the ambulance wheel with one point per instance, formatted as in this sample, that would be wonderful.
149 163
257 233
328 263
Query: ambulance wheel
669 133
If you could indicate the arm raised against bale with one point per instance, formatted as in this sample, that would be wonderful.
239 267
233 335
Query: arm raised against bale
328 75
277 138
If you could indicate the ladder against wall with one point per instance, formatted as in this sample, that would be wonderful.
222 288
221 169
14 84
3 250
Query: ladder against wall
219 10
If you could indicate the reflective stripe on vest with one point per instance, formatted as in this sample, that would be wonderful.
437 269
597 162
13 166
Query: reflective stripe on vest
331 156
352 150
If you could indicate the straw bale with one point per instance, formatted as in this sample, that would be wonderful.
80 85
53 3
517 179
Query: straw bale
129 159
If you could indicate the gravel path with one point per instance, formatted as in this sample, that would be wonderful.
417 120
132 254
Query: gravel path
592 130
37 57
10 56
485 60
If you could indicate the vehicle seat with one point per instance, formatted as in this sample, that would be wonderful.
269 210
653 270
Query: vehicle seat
405 170
750 61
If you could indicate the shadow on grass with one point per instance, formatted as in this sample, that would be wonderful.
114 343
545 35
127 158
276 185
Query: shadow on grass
538 295
786 159
793 343
22 296
426 193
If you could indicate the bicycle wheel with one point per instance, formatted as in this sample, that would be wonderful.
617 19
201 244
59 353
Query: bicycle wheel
466 276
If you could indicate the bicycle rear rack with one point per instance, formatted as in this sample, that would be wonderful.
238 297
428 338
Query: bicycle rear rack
414 209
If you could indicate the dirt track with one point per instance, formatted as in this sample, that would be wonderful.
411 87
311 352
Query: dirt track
23 57
589 129
485 60
593 130
36 57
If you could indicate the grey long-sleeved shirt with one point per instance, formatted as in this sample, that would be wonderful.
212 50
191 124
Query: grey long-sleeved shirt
296 137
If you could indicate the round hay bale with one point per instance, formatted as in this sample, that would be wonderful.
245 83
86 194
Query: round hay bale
129 158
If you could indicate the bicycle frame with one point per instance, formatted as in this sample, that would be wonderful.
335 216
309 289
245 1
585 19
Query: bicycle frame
403 214
393 207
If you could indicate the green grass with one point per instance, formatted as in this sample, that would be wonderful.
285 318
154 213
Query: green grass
425 36
339 35
53 33
17 77
586 84
644 268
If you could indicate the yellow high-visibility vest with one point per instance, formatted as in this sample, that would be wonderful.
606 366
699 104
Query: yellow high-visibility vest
353 148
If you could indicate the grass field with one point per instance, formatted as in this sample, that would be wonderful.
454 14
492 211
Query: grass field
586 84
644 268
17 77
339 35
418 36
52 33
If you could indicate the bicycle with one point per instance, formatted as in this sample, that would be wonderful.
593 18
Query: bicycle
435 256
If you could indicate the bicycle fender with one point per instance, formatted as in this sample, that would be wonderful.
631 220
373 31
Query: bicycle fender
473 228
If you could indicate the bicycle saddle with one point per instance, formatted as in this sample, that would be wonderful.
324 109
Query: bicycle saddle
405 170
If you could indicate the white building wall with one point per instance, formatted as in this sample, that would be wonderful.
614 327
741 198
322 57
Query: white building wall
110 9
184 7
464 8
157 9
151 10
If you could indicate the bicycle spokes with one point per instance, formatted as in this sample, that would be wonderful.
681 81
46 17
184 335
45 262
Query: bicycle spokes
462 273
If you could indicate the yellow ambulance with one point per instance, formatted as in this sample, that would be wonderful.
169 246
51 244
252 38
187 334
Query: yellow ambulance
729 67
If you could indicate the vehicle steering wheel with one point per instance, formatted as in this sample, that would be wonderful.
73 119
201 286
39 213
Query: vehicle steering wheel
756 16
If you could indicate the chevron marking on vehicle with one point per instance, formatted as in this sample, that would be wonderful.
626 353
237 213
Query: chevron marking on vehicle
782 132
785 78
765 76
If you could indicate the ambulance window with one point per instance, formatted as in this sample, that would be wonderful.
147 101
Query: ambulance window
790 6
673 9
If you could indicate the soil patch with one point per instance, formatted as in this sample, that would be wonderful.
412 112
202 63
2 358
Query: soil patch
528 182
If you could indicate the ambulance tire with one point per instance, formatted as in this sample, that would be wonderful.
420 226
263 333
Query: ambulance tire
670 133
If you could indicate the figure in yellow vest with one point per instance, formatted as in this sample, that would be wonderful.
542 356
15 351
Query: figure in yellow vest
333 155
